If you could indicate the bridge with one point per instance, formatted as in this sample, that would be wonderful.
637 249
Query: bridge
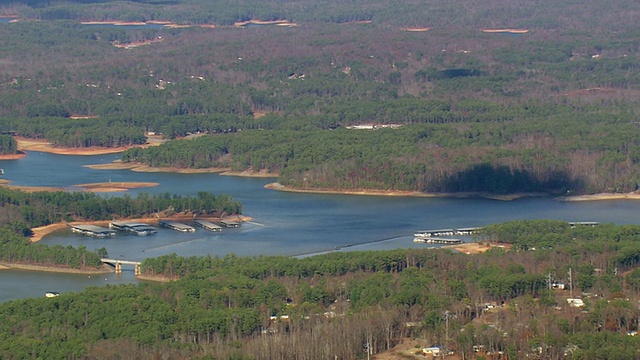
117 264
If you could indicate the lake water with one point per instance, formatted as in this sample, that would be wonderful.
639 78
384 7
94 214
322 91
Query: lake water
283 223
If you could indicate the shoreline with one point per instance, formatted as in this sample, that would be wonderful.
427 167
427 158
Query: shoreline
25 144
506 197
102 187
601 197
17 156
138 167
54 269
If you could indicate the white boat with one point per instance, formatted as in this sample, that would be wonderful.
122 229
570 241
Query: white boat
51 294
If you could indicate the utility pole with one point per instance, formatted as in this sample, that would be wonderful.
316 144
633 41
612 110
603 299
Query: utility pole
570 284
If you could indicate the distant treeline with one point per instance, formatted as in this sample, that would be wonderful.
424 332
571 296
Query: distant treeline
553 15
329 305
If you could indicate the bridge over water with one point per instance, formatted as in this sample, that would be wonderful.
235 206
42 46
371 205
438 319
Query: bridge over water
117 264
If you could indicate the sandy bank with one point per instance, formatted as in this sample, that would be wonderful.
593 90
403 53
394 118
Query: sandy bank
56 269
263 22
250 173
5 183
507 197
17 156
416 29
602 196
119 165
508 31
114 186
45 146
95 187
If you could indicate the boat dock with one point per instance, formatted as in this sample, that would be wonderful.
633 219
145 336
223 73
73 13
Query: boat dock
230 224
92 230
432 233
139 229
176 226
208 225
436 240
447 232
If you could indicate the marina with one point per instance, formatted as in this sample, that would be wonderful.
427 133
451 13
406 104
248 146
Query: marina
92 230
174 225
207 225
446 232
139 229
436 240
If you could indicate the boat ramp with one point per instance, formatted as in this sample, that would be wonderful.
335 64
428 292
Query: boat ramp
139 229
92 230
208 225
176 226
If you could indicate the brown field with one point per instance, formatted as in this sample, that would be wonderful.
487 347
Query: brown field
476 248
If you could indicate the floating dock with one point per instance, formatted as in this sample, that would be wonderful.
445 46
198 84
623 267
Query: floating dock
176 226
92 230
229 224
468 231
139 229
432 233
208 225
436 240
447 232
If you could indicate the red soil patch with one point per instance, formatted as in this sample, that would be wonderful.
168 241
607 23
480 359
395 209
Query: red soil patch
17 156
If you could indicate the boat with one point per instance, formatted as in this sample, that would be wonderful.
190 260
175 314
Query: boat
51 294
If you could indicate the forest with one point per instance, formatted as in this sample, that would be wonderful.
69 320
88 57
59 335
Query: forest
551 109
401 95
504 300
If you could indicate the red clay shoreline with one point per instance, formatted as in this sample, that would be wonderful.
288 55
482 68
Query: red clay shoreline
506 197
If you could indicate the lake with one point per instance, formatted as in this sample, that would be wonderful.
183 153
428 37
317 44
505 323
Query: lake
291 224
